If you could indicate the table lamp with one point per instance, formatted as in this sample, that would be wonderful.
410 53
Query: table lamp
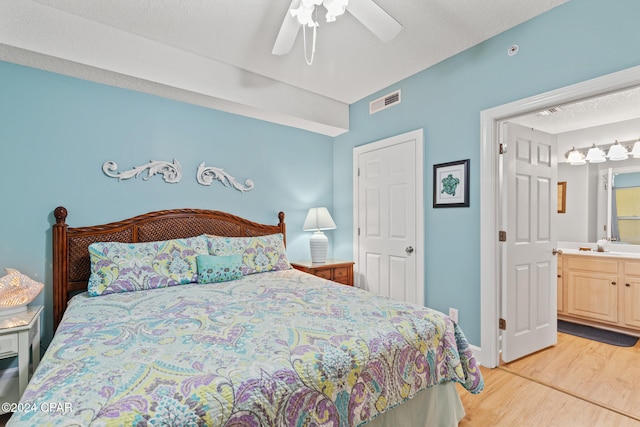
318 219
16 291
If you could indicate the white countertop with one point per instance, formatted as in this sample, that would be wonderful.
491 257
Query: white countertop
612 250
607 254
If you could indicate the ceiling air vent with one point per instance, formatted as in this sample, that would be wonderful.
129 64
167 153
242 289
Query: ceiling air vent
385 102
549 111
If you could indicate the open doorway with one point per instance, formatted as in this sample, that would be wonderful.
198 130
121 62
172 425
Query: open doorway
492 254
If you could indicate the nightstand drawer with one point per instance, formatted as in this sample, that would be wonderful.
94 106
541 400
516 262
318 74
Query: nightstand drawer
325 274
336 270
8 345
340 273
343 280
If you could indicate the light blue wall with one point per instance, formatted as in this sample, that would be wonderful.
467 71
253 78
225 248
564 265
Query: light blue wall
577 41
56 132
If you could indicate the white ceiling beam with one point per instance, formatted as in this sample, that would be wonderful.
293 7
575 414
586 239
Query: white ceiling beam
46 38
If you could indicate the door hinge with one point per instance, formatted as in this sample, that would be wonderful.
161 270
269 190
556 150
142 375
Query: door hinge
502 324
358 231
503 148
358 171
502 236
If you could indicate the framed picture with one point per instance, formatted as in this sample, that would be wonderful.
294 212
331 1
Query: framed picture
562 197
451 184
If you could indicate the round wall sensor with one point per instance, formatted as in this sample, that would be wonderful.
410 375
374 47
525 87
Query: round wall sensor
513 50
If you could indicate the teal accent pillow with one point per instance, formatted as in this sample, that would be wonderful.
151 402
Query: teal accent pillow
127 267
214 269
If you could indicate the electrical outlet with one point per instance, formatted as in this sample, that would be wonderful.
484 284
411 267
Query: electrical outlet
453 314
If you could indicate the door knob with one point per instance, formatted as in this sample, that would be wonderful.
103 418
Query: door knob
556 251
409 250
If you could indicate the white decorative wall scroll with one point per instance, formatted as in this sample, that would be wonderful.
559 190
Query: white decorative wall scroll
171 172
206 175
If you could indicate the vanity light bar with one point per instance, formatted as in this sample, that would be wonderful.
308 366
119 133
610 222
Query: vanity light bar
619 150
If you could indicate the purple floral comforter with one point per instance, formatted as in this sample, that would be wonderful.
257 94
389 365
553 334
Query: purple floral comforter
281 348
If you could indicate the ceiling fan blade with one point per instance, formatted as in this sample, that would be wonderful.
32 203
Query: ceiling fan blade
288 32
372 16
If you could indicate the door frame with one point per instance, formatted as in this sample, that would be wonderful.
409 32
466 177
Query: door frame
490 248
418 135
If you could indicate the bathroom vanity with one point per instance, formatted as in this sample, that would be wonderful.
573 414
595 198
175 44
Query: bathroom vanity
600 289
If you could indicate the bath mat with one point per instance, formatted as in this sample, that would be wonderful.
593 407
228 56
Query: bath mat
601 335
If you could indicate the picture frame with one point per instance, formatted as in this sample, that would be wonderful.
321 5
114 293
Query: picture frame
562 197
451 184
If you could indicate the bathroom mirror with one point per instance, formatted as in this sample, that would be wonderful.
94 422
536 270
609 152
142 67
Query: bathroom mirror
591 203
624 201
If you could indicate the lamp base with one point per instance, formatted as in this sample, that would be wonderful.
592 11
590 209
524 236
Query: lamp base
10 311
318 243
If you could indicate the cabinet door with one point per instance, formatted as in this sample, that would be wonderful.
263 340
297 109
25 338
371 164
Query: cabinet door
632 301
592 295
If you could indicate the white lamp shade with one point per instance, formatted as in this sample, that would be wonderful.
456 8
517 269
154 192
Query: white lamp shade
318 219
636 150
576 158
617 152
595 155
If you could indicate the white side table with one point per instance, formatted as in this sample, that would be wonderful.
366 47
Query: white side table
18 332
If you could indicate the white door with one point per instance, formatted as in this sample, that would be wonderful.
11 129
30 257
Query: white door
529 278
388 218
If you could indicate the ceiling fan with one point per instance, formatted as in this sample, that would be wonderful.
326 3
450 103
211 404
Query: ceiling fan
302 13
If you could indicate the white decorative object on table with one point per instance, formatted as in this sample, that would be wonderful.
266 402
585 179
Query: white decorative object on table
318 219
16 291
602 245
207 174
171 172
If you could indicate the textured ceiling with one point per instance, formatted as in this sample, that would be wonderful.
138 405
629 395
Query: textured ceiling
611 108
218 52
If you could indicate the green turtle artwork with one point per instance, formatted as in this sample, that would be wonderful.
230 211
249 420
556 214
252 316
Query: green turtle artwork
449 185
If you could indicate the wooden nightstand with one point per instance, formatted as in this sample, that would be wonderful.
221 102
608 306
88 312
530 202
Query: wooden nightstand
18 333
334 269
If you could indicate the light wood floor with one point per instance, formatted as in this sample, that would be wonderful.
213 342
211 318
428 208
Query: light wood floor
578 382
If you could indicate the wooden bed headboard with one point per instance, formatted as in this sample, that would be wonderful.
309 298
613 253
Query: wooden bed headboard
71 263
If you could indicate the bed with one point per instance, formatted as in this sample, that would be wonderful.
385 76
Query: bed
244 340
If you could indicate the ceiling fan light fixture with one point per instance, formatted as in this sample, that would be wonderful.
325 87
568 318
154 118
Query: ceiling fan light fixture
304 12
335 8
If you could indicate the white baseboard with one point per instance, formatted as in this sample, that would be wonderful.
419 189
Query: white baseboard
477 353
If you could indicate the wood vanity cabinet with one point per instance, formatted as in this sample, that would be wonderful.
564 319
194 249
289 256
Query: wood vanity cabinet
592 288
632 294
600 291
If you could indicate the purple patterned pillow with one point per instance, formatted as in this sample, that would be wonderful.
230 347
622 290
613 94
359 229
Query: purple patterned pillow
259 253
126 267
